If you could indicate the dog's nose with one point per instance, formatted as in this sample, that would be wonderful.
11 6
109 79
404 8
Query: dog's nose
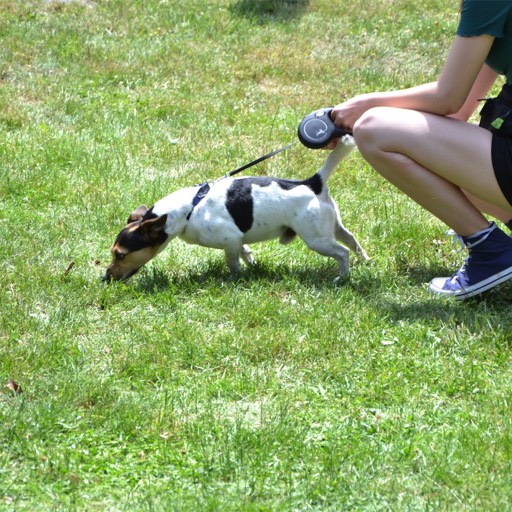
107 277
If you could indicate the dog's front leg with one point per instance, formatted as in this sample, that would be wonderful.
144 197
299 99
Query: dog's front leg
232 254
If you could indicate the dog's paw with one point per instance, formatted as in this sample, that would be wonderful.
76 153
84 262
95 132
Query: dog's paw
341 279
363 255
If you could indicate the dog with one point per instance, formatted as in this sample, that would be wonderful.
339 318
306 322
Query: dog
232 213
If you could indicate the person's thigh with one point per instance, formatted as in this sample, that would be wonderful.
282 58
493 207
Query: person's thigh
457 151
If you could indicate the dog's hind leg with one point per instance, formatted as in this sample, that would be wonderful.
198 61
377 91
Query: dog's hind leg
345 236
329 247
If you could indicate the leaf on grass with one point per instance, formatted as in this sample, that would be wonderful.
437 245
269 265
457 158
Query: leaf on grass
14 386
69 267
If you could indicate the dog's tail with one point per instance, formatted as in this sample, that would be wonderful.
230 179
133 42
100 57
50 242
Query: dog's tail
343 148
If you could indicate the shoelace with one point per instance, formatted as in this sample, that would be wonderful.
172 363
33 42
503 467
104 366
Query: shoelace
458 246
457 240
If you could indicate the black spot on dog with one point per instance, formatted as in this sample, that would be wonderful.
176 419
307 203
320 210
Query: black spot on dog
239 203
314 183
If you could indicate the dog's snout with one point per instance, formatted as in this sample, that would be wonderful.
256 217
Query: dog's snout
114 274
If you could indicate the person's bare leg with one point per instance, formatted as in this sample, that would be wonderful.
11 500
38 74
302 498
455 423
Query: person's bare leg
431 159
498 213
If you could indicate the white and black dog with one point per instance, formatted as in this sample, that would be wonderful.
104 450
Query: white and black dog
231 213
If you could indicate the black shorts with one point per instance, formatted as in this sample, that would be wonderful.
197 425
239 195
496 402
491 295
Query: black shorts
496 116
501 154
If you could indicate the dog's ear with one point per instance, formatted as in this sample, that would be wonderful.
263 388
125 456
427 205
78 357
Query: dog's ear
137 214
152 229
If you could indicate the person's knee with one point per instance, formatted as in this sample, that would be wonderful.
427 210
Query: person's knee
369 126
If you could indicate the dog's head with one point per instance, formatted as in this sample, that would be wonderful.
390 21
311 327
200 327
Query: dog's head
138 242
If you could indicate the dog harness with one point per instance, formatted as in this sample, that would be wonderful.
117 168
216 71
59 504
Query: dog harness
204 188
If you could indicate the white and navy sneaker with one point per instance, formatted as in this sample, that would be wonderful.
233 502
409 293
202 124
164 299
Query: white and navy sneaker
488 264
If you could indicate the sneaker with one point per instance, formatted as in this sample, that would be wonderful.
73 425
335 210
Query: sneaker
488 264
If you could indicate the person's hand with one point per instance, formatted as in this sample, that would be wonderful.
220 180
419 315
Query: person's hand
347 113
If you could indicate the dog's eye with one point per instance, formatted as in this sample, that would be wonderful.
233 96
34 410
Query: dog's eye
119 255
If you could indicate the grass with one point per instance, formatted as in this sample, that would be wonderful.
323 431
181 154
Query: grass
185 389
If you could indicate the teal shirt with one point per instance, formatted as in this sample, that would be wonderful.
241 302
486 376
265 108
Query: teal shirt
494 18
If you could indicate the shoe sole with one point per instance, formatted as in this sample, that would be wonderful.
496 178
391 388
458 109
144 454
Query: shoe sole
476 289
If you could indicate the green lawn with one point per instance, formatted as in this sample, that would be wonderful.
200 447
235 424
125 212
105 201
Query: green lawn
185 389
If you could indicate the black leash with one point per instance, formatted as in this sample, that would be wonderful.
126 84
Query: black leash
205 187
259 160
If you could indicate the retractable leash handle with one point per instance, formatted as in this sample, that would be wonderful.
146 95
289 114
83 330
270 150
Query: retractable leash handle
316 130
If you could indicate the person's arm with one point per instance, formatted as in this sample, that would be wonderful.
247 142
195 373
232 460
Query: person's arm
479 91
445 97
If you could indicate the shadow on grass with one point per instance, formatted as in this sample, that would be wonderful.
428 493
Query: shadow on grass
406 297
266 11
216 274
412 302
